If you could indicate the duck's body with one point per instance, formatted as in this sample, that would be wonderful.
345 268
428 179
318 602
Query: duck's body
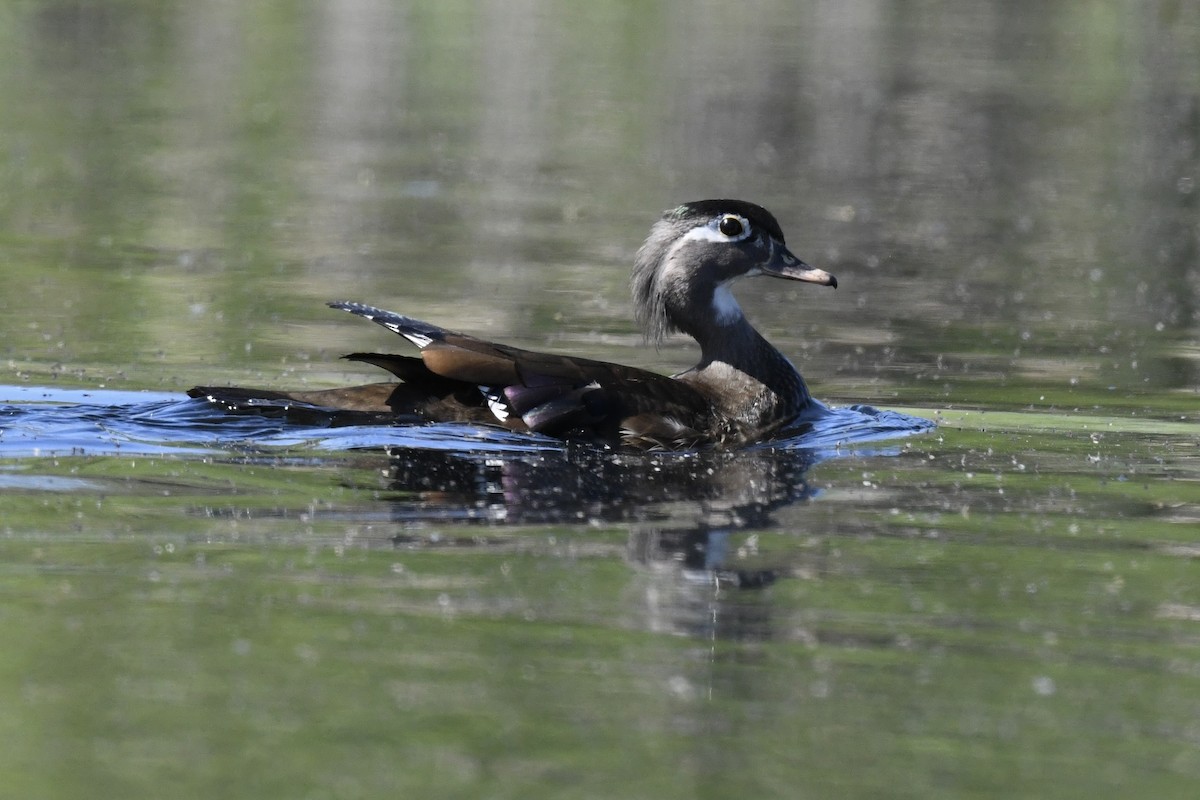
742 390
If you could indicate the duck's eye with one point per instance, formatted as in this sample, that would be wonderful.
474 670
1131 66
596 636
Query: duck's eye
730 226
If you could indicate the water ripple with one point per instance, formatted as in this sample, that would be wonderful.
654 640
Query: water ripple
36 421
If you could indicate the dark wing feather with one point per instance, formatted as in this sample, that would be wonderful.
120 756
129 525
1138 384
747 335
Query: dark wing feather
551 393
406 368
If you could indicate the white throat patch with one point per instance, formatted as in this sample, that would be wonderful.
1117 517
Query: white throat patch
725 305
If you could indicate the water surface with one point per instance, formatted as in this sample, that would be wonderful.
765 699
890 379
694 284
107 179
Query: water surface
197 605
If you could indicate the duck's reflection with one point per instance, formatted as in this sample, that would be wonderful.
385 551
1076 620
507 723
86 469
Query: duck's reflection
730 490
684 512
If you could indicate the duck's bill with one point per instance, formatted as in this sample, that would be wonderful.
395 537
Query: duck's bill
785 265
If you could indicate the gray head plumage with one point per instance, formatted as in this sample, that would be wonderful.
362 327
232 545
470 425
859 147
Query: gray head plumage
649 296
655 287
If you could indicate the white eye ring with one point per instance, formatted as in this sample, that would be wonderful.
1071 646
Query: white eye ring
711 230
731 227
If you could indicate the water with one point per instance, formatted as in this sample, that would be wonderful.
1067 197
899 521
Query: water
204 604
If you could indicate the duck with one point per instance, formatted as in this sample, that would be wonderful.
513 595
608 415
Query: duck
743 390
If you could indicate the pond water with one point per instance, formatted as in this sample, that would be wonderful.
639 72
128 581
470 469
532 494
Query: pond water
200 603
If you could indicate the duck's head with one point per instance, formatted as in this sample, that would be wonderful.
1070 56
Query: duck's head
682 272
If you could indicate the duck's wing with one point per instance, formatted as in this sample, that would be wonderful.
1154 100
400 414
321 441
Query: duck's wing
546 392
461 378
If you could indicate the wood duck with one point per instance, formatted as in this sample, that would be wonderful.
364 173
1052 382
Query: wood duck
743 389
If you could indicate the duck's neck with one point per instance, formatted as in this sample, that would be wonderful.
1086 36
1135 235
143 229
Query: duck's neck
746 376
